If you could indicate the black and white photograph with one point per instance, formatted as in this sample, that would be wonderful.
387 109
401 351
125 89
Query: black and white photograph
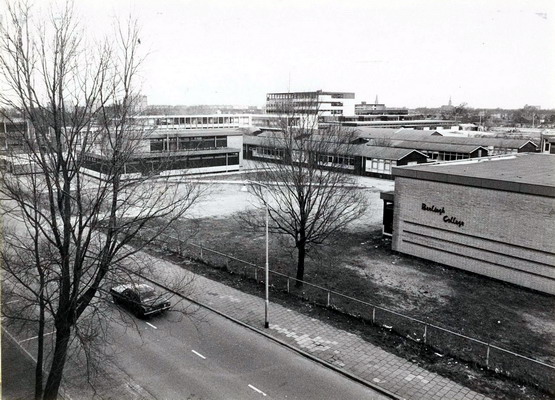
277 199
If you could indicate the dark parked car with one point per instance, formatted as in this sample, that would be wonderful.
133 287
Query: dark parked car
141 299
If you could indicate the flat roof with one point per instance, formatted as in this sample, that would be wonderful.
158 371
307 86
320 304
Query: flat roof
195 132
530 173
191 115
421 122
173 154
323 92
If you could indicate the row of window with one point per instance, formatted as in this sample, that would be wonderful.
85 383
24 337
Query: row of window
328 159
295 110
164 163
194 122
379 165
289 96
502 150
448 155
267 152
16 127
187 143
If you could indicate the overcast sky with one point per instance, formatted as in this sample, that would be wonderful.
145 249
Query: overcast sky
485 53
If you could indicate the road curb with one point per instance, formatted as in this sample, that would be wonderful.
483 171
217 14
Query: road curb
62 392
285 344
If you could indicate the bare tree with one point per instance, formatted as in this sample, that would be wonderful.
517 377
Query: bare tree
70 104
307 184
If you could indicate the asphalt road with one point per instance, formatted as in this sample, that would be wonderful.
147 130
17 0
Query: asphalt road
174 357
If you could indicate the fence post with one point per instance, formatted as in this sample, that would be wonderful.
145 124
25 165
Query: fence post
227 264
256 274
287 284
201 252
329 295
425 332
487 358
373 315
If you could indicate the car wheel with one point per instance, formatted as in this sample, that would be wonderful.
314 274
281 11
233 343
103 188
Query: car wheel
139 313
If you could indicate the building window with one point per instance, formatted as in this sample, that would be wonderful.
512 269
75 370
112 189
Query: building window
156 145
266 152
221 141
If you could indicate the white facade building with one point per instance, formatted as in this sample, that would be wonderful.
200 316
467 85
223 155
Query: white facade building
314 106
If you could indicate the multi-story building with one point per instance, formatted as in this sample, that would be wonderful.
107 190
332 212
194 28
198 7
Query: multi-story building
315 106
181 122
178 145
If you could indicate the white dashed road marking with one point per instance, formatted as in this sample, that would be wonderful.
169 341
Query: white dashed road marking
149 324
257 390
198 354
34 337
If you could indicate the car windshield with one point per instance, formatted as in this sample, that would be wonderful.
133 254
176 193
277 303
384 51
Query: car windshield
145 292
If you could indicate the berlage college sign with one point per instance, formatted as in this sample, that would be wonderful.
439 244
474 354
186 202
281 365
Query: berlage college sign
447 219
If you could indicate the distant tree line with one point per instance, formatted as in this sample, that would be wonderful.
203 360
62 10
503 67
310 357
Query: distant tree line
527 116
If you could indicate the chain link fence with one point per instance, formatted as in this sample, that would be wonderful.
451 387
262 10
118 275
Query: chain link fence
451 343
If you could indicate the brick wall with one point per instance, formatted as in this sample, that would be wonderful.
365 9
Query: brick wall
503 235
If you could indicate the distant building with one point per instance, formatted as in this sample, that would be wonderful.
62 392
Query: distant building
201 121
14 147
378 109
179 145
314 106
449 107
364 107
361 159
491 216
395 121
444 148
12 132
547 145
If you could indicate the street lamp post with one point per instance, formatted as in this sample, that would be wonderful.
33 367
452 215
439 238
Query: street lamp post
267 268
267 279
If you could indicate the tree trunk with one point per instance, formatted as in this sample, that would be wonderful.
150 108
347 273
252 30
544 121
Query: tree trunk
40 350
300 264
54 380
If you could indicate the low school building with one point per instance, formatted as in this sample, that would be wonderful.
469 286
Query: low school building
175 153
492 216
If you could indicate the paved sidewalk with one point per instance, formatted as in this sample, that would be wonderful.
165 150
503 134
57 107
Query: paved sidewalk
335 346
18 371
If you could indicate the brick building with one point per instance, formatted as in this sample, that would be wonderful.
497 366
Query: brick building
492 216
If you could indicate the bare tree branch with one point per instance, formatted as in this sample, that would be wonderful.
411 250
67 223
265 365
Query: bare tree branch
304 186
65 99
